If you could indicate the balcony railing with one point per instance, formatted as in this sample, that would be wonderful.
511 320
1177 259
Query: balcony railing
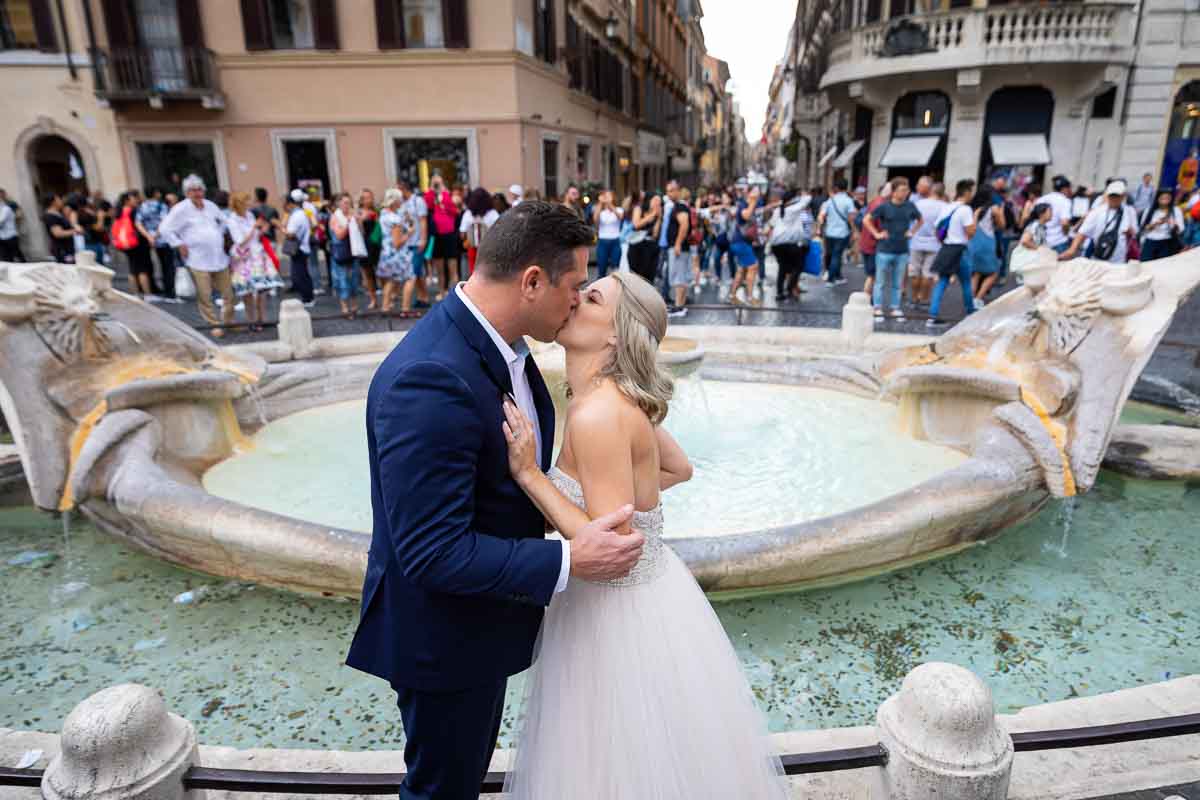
134 73
975 37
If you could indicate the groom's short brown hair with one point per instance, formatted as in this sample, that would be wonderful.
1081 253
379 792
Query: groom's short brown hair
533 233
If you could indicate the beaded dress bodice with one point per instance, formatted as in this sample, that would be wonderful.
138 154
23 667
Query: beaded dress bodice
649 523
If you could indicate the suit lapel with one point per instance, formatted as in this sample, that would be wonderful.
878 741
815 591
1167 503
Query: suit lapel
545 409
477 337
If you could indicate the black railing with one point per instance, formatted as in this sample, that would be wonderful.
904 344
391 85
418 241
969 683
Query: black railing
142 72
244 780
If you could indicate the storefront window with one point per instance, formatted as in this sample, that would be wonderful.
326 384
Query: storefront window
1181 159
166 164
418 159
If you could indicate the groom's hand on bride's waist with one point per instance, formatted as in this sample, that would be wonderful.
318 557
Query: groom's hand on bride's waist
599 553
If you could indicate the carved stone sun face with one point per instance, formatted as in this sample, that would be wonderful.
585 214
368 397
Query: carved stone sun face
67 316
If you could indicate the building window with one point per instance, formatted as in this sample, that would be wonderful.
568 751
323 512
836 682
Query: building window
421 23
583 160
292 25
27 25
1104 104
166 164
550 168
921 112
544 43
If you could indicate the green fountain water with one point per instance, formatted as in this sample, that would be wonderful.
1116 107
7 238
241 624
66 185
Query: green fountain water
1088 597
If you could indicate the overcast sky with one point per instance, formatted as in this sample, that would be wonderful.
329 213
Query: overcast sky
750 35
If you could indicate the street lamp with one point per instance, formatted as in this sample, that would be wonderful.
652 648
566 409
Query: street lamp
610 26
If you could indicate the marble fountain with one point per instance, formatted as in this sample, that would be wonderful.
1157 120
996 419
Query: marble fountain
118 410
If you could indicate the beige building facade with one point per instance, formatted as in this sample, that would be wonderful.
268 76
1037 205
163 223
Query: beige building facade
57 135
480 91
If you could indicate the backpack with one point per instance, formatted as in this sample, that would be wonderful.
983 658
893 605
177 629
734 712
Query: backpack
942 229
695 230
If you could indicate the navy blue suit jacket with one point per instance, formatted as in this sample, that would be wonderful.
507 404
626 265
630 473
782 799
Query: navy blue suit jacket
459 570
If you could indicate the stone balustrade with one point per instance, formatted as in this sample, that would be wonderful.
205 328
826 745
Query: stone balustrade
976 37
940 731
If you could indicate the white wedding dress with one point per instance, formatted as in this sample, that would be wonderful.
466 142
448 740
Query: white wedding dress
637 694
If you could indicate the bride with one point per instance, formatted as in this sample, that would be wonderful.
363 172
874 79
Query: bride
636 691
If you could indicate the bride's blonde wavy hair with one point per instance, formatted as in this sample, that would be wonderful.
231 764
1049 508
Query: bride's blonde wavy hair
640 322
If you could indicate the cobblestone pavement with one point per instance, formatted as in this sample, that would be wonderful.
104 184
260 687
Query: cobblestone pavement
1171 378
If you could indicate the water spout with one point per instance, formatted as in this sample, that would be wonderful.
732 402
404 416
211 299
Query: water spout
1066 523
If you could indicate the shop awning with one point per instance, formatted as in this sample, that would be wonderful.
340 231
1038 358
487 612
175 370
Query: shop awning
909 151
825 158
846 156
1019 149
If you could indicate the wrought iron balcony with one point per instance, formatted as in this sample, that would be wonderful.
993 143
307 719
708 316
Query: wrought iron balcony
978 37
158 73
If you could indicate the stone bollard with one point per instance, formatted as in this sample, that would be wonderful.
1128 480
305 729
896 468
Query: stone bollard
942 739
122 744
295 327
858 320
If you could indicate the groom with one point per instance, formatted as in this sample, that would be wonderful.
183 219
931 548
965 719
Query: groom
459 569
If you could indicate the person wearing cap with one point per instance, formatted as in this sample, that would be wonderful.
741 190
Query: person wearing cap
196 227
1059 201
1109 227
516 193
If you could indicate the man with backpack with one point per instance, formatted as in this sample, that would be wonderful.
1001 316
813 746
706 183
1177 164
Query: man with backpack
834 225
954 230
1110 227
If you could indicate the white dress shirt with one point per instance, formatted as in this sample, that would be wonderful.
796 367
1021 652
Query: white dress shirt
201 230
514 356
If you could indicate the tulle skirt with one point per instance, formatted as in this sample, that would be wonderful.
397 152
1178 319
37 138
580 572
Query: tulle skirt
637 694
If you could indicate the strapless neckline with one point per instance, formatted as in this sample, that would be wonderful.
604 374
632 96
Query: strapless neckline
557 472
653 562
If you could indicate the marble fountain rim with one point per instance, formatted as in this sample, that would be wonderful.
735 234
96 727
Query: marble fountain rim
808 554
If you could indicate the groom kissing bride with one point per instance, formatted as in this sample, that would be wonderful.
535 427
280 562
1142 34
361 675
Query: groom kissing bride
634 690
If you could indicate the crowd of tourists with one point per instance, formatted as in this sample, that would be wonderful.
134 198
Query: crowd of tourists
914 242
403 251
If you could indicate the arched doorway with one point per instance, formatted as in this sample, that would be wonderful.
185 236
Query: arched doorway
920 124
1181 158
56 166
1016 135
49 158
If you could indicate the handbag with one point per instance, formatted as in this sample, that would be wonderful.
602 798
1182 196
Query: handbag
291 246
339 249
812 261
185 287
124 237
1106 243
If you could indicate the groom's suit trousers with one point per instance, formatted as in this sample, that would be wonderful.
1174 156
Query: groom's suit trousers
450 740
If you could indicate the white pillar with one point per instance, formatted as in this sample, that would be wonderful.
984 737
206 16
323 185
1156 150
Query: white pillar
942 740
858 321
295 327
122 744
